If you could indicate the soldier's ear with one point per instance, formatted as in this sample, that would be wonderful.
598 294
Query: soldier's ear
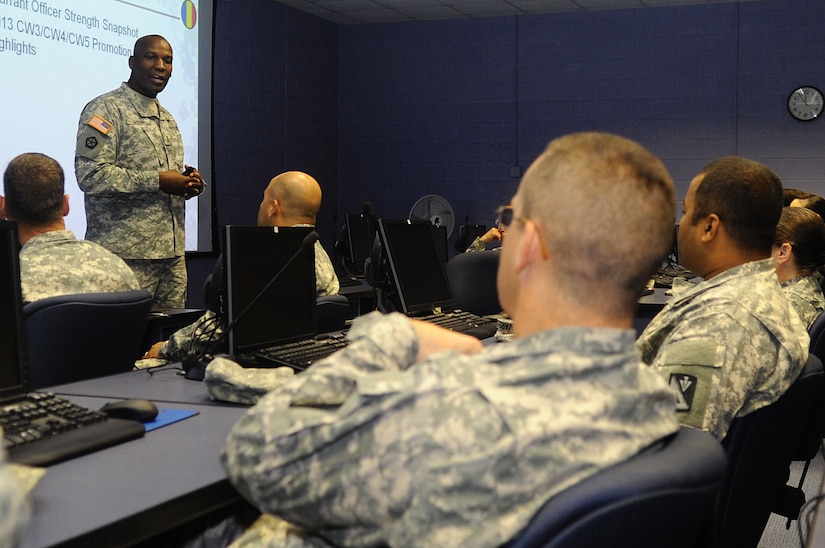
65 205
784 253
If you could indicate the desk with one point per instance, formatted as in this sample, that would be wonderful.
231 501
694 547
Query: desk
162 386
361 298
133 491
162 324
649 306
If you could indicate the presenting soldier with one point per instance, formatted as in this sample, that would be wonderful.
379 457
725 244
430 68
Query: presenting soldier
129 164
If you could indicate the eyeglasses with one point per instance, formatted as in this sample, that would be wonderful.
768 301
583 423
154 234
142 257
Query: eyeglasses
505 215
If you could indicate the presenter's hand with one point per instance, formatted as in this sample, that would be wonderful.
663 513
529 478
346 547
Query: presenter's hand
188 186
433 339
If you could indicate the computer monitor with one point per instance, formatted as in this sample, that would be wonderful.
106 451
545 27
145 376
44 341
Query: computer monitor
675 255
415 266
12 341
360 234
468 234
253 255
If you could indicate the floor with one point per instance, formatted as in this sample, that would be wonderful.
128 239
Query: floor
776 535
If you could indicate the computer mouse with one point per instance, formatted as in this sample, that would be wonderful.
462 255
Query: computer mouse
133 410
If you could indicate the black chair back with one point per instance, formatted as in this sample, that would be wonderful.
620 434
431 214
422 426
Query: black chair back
331 313
472 278
661 497
760 447
76 337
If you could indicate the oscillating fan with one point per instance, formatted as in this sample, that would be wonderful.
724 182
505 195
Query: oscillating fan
436 210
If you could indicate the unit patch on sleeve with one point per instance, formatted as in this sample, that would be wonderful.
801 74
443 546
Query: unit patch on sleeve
685 388
91 142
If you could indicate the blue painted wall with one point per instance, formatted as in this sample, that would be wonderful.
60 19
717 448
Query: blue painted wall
275 105
387 113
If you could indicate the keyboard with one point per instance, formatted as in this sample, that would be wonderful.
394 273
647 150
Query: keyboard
665 275
463 322
43 429
300 354
351 281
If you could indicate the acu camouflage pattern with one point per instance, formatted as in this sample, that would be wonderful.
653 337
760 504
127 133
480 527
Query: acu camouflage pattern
126 211
207 329
728 347
366 448
225 380
476 245
15 507
805 297
56 263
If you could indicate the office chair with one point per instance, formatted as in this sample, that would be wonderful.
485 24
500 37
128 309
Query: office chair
792 498
472 278
76 337
331 312
661 497
760 447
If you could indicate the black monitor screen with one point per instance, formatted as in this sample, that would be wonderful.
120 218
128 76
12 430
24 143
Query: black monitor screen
676 256
12 349
360 234
286 311
416 265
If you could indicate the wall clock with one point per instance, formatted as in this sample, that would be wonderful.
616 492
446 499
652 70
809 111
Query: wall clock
805 103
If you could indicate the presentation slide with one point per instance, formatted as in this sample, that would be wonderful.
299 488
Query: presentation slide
57 55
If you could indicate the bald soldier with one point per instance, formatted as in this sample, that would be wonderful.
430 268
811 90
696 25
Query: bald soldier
129 164
413 435
292 198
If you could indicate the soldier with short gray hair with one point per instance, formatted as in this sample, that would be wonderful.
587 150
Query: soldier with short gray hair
418 436
52 261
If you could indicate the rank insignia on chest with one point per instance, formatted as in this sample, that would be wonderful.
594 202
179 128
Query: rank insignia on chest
100 124
91 142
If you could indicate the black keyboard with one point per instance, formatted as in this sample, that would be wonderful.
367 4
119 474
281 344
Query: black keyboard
463 322
300 354
348 282
43 429
665 275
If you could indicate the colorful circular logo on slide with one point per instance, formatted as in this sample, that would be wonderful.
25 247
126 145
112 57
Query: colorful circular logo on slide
188 14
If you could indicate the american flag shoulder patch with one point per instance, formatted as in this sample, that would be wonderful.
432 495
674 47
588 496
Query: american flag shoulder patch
100 124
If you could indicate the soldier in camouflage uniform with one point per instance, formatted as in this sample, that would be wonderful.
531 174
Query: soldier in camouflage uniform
418 436
292 198
129 163
798 253
732 344
495 234
15 505
52 261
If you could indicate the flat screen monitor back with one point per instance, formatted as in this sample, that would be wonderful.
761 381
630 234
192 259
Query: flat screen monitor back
12 341
415 265
286 311
360 234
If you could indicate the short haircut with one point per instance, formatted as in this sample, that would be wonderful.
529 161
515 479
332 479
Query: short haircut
813 202
805 231
141 43
791 194
33 185
747 198
606 207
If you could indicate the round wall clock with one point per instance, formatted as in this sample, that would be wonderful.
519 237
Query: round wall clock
805 103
